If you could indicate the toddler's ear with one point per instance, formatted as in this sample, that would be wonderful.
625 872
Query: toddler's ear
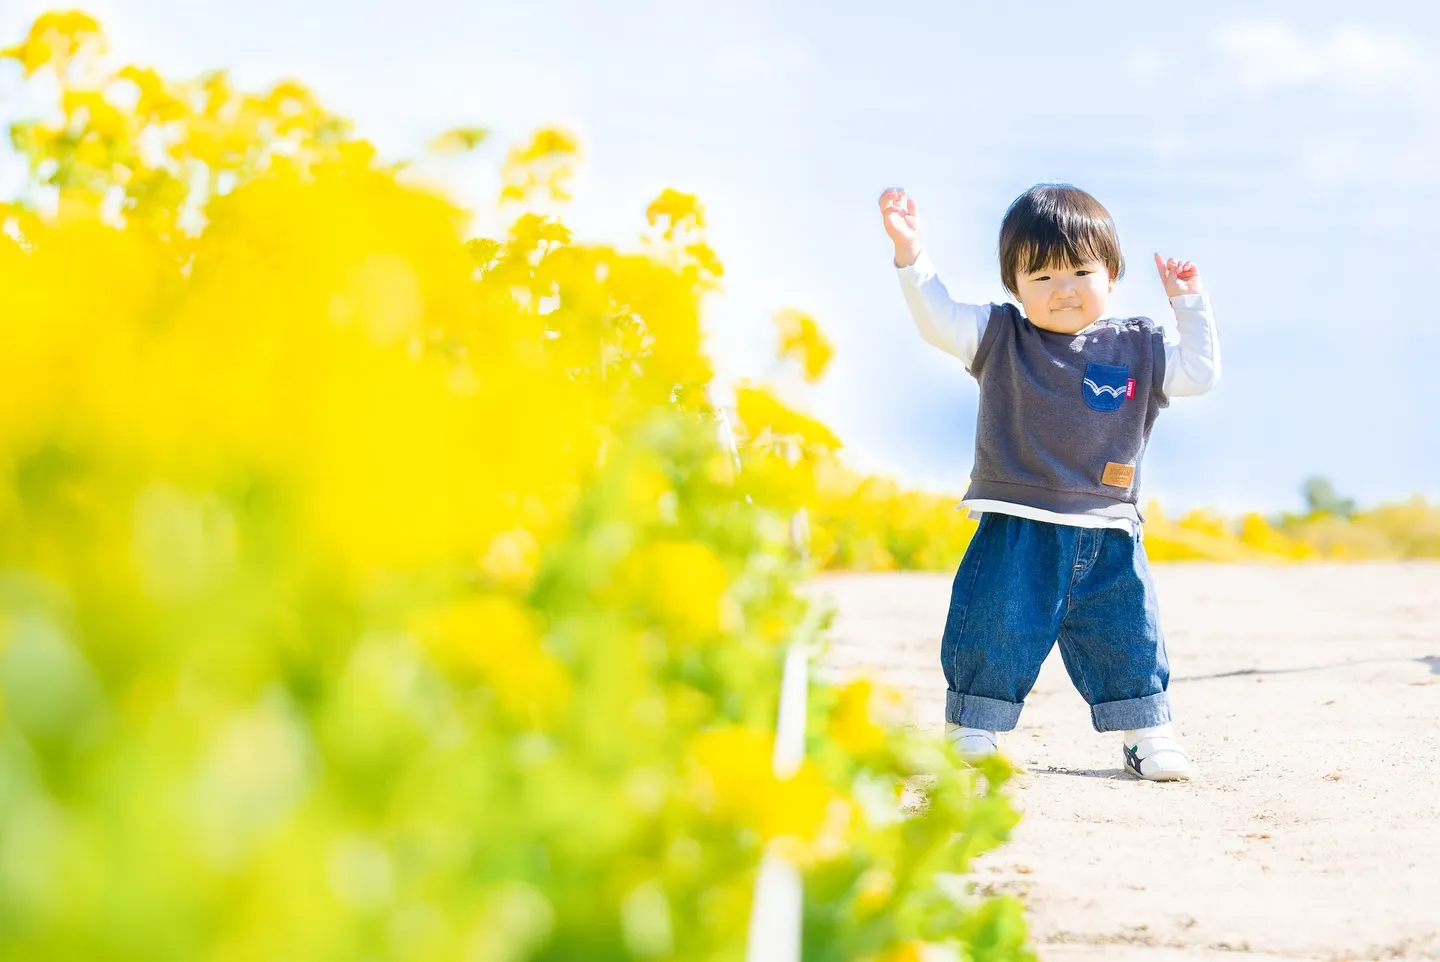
1113 282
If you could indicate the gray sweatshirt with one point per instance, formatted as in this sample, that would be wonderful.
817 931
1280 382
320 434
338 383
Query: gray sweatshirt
1186 366
1064 418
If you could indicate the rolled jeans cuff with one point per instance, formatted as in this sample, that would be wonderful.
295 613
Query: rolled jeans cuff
973 711
1128 713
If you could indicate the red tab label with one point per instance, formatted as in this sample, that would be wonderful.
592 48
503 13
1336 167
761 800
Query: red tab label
1130 388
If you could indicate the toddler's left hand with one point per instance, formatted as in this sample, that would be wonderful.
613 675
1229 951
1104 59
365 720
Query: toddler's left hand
1179 277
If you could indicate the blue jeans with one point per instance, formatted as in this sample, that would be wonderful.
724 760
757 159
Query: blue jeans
1025 584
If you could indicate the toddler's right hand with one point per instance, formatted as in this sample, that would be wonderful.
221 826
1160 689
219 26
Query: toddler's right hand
902 223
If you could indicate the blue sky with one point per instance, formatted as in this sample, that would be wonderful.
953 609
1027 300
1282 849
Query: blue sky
1289 149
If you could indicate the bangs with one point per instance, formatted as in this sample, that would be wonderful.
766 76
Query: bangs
1058 246
1056 225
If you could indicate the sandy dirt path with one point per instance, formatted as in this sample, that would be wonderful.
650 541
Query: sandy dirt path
1309 698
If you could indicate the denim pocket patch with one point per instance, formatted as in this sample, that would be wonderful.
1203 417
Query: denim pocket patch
1106 386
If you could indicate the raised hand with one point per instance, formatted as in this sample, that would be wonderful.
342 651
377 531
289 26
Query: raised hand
902 223
1179 277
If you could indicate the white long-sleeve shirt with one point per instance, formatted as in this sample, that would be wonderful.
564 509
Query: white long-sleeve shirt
1192 361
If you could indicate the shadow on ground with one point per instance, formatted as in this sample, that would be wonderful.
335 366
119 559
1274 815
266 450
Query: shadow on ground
1430 661
1112 774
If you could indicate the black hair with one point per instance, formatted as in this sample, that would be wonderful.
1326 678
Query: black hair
1056 225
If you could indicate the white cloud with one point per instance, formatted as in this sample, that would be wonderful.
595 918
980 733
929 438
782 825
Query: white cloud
1334 106
1271 55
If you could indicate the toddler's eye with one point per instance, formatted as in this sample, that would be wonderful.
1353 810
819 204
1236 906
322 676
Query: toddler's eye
1043 277
1083 273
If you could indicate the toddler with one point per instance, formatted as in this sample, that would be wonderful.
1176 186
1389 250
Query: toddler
1067 400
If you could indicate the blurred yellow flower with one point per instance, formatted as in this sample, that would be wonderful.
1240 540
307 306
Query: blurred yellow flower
733 770
511 558
764 414
913 951
802 340
345 553
54 39
684 582
850 722
545 165
799 805
459 140
494 639
735 779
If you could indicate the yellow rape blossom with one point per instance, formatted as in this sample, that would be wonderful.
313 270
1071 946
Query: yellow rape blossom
684 583
851 724
495 640
348 555
55 39
545 164
802 340
913 951
459 140
763 414
735 779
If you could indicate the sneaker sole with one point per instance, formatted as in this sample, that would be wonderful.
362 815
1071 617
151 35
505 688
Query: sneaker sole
974 762
1158 776
1163 776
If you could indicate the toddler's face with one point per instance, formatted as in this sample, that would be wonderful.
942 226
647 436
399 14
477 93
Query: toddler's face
1065 299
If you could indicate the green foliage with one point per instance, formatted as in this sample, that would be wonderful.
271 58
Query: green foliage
1320 498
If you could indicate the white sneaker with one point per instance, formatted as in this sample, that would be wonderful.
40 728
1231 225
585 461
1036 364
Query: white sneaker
974 743
1154 754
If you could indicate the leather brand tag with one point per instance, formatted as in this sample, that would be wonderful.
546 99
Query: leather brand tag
1118 475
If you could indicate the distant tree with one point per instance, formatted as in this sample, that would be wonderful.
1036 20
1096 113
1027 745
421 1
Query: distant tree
1321 498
